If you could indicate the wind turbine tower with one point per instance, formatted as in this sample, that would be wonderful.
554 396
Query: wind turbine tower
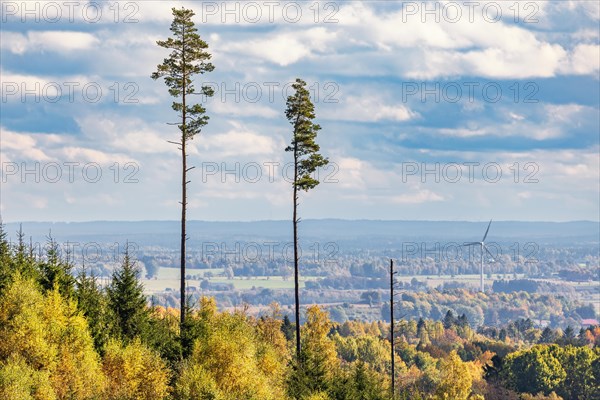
483 249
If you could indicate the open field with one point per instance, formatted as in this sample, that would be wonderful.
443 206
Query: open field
588 292
169 278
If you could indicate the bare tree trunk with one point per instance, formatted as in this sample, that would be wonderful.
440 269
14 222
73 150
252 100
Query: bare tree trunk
296 273
183 202
183 234
392 323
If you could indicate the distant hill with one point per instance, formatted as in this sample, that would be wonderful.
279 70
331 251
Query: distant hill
361 232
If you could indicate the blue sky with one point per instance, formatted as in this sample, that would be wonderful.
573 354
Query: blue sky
420 112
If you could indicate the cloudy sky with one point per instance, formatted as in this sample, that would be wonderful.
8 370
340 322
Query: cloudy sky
438 110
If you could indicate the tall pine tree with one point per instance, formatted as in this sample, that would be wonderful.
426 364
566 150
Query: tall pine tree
188 58
300 113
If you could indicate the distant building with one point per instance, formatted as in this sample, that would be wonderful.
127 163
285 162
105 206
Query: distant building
543 323
583 264
589 322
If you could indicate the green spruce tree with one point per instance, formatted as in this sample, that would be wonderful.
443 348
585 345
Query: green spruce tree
22 261
126 300
287 328
92 302
54 271
5 260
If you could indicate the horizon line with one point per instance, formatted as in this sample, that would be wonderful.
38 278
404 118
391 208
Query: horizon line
289 220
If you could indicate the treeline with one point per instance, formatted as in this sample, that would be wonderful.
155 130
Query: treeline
524 332
547 261
558 310
495 309
579 274
531 286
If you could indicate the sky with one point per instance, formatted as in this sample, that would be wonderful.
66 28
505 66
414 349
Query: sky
429 110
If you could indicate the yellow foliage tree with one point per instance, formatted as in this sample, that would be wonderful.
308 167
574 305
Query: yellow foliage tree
196 383
19 381
269 329
78 373
317 396
135 372
316 368
316 341
234 358
22 326
49 334
456 379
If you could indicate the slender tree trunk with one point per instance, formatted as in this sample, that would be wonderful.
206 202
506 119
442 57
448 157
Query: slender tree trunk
183 198
392 323
296 273
183 234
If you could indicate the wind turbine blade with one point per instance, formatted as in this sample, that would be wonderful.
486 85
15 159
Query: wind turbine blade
486 231
471 244
490 253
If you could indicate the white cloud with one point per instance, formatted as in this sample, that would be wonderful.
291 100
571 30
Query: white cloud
554 169
481 48
590 8
418 197
38 202
547 121
58 41
368 108
40 147
351 172
516 116
584 59
514 128
565 113
586 35
360 180
243 108
285 48
83 198
128 135
370 41
87 155
540 60
240 141
19 147
464 132
69 89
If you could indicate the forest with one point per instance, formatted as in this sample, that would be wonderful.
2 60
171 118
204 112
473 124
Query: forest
64 336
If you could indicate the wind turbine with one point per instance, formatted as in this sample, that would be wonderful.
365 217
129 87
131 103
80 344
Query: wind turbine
483 248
